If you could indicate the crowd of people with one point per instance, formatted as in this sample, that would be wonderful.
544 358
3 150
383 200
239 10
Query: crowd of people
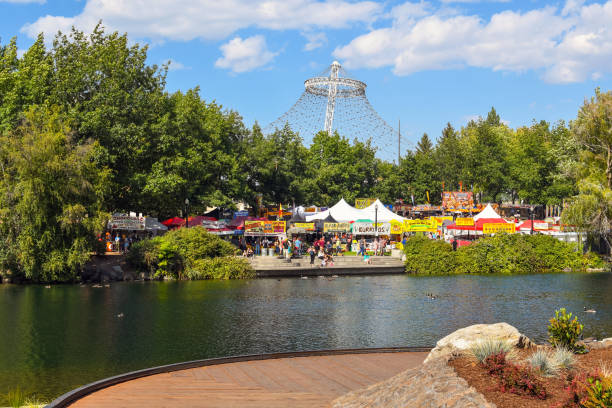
323 248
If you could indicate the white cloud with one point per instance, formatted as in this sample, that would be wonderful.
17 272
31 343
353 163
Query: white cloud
175 65
570 46
209 19
315 40
245 55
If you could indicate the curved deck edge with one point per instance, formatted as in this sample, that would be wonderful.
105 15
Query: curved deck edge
70 397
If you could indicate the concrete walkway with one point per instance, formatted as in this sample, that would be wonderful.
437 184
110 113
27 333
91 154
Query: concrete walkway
294 382
271 266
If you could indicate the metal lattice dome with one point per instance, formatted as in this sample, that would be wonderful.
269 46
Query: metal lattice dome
332 102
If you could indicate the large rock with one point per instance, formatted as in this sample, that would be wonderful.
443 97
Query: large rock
433 384
462 339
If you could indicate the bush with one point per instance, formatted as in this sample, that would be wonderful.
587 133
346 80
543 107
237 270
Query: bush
514 379
564 331
227 267
592 390
544 362
564 358
189 253
488 347
429 257
502 253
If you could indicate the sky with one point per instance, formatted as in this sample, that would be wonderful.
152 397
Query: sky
425 63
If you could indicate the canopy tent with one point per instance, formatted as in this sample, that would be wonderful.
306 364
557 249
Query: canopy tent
344 212
383 214
198 220
298 217
214 213
319 223
340 212
488 212
538 225
152 224
174 222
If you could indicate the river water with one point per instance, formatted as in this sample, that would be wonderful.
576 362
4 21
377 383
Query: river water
53 340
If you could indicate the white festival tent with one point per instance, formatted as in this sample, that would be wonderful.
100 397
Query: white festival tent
488 212
341 212
344 212
383 214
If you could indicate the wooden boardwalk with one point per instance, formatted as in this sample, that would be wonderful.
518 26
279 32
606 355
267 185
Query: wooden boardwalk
296 382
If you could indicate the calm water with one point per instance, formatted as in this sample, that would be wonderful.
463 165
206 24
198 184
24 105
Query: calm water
53 340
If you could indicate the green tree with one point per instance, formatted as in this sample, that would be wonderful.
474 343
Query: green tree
51 194
338 169
449 157
593 130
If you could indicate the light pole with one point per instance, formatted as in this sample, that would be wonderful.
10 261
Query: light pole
376 221
186 213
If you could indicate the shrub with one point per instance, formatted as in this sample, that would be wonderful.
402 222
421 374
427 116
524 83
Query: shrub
502 253
592 390
599 393
227 267
512 378
189 253
544 362
429 257
564 331
564 358
521 381
485 348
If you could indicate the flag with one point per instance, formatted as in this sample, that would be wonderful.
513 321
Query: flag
427 196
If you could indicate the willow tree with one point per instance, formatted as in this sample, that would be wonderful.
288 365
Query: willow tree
51 194
591 209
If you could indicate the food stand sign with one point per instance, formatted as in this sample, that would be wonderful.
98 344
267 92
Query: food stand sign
367 228
361 203
493 228
304 226
336 227
127 223
464 221
457 200
540 226
396 227
420 226
264 227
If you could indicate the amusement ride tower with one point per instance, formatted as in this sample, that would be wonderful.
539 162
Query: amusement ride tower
332 102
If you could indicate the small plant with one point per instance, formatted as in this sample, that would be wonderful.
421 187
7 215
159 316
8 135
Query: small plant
495 363
592 390
512 378
488 347
521 381
564 331
564 358
16 398
544 362
599 393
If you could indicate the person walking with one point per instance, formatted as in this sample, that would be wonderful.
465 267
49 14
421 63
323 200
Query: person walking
362 246
298 247
312 252
258 247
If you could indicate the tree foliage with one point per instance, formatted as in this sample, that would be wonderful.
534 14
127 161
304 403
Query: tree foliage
51 196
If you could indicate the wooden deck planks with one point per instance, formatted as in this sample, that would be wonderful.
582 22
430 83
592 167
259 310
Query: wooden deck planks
287 382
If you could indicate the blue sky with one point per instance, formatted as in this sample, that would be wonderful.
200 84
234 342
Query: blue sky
425 63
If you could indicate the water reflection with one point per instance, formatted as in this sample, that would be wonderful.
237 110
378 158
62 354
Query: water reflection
52 340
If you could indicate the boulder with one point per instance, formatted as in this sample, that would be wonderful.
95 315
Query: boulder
462 339
433 384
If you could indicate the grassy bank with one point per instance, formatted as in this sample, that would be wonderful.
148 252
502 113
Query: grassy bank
189 253
503 253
